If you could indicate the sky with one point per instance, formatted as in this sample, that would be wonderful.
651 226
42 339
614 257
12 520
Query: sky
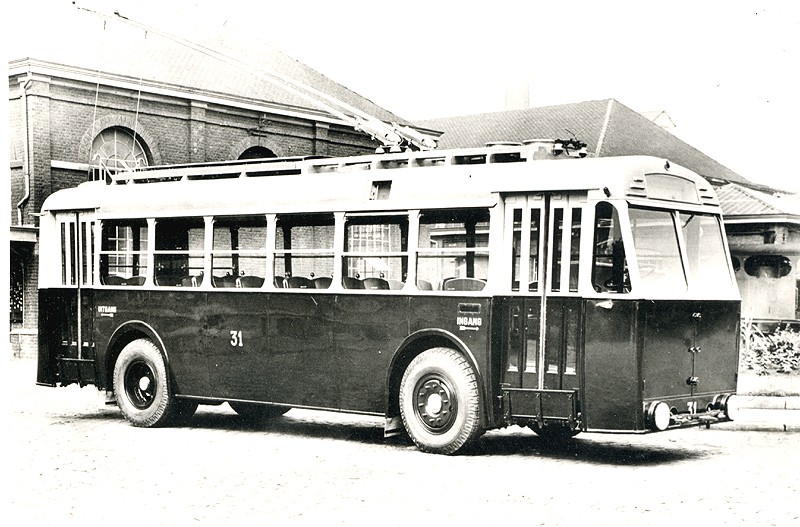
726 72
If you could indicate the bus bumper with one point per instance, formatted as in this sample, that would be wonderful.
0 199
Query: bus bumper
659 416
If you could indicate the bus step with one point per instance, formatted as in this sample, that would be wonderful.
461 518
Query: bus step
79 371
540 405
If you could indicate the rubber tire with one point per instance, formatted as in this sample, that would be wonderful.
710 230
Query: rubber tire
150 407
449 372
258 412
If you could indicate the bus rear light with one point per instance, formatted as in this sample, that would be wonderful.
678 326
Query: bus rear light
658 416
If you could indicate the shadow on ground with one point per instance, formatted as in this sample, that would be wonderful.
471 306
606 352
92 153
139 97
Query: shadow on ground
509 442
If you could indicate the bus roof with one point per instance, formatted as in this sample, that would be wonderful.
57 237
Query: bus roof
408 180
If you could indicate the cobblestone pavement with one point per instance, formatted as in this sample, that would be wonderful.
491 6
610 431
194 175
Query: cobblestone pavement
72 460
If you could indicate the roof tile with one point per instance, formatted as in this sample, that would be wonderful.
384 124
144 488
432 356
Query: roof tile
624 133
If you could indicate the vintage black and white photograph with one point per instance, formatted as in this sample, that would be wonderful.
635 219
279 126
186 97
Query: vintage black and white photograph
427 263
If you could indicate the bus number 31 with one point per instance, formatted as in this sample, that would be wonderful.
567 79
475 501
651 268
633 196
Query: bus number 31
236 338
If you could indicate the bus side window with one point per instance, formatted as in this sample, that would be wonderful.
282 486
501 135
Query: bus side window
239 252
123 252
304 250
375 252
179 254
453 250
609 266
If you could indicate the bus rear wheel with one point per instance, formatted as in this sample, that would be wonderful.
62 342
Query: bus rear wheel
142 388
440 401
258 412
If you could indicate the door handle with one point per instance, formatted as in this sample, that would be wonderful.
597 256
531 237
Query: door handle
515 324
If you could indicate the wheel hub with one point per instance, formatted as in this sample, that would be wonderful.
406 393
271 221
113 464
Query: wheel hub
140 385
435 404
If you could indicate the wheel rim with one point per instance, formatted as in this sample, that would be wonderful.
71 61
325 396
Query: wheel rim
434 404
140 384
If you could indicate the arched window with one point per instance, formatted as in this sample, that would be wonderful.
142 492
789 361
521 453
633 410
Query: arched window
118 148
257 152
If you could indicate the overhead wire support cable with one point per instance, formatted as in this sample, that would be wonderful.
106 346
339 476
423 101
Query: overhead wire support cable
388 134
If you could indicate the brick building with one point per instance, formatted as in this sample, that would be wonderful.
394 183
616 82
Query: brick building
105 94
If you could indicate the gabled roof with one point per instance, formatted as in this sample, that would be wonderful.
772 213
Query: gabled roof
87 43
608 127
738 201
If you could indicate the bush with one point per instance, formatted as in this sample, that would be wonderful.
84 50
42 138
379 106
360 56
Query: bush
777 352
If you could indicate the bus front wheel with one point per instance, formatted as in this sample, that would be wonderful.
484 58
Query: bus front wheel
439 401
142 389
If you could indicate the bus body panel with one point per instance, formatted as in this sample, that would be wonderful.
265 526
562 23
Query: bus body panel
611 399
467 319
119 317
689 349
297 348
299 363
238 338
179 320
368 330
717 362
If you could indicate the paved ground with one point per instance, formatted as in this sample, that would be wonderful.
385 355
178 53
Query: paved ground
74 461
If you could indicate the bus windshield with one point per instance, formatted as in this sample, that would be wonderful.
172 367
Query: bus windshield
659 236
705 251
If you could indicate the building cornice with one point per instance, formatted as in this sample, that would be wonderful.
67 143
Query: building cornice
24 233
40 67
760 218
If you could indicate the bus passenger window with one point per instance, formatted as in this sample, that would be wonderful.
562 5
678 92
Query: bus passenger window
453 252
558 242
609 267
238 254
533 256
566 243
574 250
123 252
179 252
375 253
304 250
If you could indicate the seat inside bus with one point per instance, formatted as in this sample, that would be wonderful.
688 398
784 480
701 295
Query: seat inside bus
463 284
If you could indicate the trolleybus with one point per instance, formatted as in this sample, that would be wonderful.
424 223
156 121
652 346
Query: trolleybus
450 292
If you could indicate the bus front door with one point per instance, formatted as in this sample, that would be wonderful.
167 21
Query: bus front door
544 332
563 318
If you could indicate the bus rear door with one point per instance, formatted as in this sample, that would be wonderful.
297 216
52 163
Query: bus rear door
67 350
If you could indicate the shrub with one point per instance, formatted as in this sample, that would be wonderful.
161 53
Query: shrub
762 353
